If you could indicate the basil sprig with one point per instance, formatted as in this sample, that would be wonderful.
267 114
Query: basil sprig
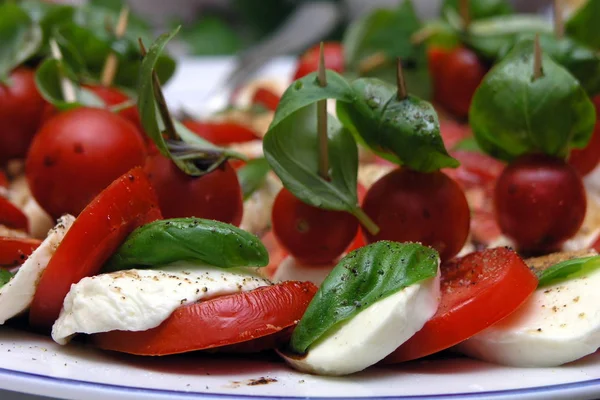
20 36
514 114
583 25
5 277
189 239
480 9
252 176
387 34
359 280
192 154
568 269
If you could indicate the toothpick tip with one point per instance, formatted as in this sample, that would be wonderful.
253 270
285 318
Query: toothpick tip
322 76
400 82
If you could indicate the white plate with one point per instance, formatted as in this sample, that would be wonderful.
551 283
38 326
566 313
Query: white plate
34 364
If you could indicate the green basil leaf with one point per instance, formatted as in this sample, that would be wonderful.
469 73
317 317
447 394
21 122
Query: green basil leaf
404 131
21 38
5 277
371 35
468 144
253 175
567 270
583 25
48 81
488 37
513 114
359 280
480 9
189 239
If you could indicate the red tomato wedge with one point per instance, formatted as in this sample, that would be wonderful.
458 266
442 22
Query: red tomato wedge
221 133
14 251
478 290
12 217
266 98
124 205
222 321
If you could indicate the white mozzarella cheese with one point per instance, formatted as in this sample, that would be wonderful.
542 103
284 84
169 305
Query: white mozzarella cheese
292 270
138 300
39 220
373 333
556 325
16 295
257 208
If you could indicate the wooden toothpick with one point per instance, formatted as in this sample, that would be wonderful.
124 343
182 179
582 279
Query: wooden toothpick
465 13
322 120
112 62
66 86
402 93
559 23
538 71
163 109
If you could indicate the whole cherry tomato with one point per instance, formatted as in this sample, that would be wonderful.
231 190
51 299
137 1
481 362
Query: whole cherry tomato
410 206
309 61
216 195
113 97
76 154
540 202
312 235
586 159
456 74
21 108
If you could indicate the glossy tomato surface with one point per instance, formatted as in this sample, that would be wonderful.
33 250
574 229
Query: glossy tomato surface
410 206
114 97
311 235
21 109
14 251
456 74
540 202
216 195
221 133
98 231
586 159
309 61
477 291
77 154
253 316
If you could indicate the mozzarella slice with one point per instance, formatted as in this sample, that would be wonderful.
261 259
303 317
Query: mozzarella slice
138 300
257 209
292 270
16 295
556 325
373 333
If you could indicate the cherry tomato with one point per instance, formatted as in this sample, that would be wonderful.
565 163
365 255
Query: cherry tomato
3 180
312 235
266 98
222 321
14 251
540 202
78 153
309 61
113 97
410 206
477 291
21 108
456 74
221 133
585 160
129 202
12 217
216 195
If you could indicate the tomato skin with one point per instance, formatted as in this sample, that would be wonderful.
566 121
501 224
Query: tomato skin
14 251
477 291
216 195
21 108
410 206
585 160
77 154
266 98
540 202
12 217
127 203
222 321
456 74
3 180
113 97
311 235
309 61
221 133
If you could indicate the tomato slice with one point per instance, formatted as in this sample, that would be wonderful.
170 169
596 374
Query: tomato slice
14 251
223 321
221 133
124 205
477 291
12 217
266 98
476 169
